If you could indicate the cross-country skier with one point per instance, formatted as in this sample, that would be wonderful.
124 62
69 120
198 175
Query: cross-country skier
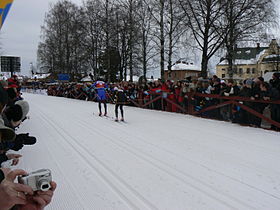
100 87
120 99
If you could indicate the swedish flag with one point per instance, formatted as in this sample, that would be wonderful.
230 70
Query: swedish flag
5 6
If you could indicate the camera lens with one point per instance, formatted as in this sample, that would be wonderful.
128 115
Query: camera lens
44 185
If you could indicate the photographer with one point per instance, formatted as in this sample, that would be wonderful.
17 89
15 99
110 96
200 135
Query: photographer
14 195
13 116
6 134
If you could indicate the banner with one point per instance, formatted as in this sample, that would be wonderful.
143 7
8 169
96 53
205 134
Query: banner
63 77
5 6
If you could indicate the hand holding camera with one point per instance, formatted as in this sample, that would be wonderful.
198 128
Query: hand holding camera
37 180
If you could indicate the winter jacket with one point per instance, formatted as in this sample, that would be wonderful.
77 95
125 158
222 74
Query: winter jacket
120 97
231 91
275 84
246 92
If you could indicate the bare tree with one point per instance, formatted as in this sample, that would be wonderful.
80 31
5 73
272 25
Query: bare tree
246 21
144 19
157 10
174 27
94 33
204 17
61 36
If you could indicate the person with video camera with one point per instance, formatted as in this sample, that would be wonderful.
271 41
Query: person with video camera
13 116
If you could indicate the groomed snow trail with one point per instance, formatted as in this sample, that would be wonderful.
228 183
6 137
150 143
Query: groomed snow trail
156 160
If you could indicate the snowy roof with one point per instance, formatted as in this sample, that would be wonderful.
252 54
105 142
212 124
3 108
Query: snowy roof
86 79
240 62
40 76
246 56
271 58
185 66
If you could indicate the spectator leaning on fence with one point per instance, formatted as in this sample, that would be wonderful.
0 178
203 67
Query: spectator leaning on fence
179 92
275 95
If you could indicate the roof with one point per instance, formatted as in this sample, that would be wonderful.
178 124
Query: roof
184 66
246 55
40 76
271 59
86 79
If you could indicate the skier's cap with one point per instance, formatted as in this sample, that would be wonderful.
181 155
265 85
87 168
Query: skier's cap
24 107
7 134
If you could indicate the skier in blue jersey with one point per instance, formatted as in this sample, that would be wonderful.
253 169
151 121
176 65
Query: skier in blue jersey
100 88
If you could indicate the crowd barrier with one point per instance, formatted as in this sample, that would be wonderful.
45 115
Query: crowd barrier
34 91
169 102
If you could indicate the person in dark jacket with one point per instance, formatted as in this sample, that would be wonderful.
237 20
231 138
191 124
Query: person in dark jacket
275 81
120 99
246 91
275 108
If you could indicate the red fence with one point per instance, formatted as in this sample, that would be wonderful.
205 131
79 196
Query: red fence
222 102
169 102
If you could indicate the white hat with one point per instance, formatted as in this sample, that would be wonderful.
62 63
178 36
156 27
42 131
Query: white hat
24 107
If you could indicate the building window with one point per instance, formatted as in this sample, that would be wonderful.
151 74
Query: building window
248 71
223 69
253 70
223 75
240 71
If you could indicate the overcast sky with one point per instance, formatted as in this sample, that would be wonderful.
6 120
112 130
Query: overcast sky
20 33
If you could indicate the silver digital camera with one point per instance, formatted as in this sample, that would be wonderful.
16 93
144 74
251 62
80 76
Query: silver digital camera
37 180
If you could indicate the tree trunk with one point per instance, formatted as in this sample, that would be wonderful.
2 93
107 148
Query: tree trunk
162 39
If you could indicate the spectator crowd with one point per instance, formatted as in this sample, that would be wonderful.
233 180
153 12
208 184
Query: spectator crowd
180 96
14 111
180 93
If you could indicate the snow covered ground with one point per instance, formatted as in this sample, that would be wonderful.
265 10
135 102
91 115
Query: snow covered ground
156 160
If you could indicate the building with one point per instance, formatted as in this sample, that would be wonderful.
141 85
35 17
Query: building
251 62
181 70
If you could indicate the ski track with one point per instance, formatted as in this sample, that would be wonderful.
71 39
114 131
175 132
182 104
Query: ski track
170 152
168 171
123 192
66 137
155 162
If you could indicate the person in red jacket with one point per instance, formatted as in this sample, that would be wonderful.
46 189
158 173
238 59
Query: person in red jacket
13 82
